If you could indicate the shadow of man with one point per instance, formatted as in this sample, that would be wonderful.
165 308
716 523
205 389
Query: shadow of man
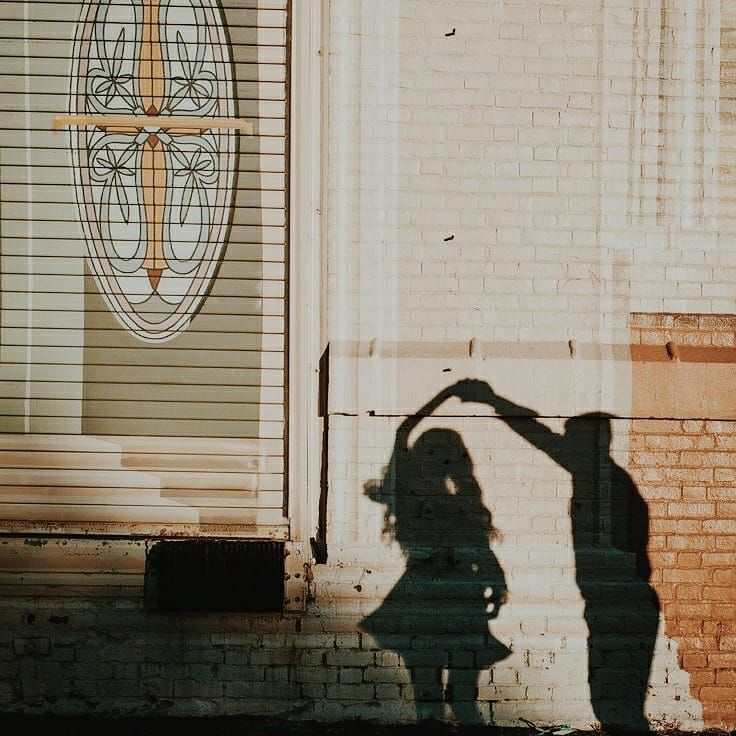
436 616
622 618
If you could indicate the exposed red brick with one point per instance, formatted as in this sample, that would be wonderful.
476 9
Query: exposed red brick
694 426
720 493
712 593
695 661
722 660
724 577
685 627
694 493
716 693
691 510
726 510
685 592
720 628
691 560
725 442
663 559
719 559
656 426
701 677
720 427
724 339
693 542
674 526
686 470
675 575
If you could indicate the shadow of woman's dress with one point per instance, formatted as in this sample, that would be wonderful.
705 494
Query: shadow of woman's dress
437 615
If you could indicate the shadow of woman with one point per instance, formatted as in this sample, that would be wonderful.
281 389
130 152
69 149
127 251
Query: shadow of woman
436 616
608 517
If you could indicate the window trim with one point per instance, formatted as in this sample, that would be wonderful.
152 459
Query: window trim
307 155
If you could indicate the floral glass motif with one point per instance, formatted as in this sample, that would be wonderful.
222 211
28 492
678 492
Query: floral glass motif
154 170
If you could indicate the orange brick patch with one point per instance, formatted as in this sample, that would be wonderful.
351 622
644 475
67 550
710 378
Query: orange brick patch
685 469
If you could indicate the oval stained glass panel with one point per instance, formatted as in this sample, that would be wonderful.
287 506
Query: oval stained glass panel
155 199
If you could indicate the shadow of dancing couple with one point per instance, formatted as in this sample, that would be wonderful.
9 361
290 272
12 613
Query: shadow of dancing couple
437 615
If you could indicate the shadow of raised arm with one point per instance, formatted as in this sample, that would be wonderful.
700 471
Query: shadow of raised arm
522 420
406 427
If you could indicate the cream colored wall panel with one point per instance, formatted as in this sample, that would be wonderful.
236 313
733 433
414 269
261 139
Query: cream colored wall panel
38 67
51 389
236 394
22 515
170 496
266 18
248 354
152 461
70 556
196 446
45 485
53 212
192 427
193 377
172 411
229 308
260 36
246 337
59 459
56 176
247 197
49 94
260 234
266 524
168 413
229 290
49 49
47 442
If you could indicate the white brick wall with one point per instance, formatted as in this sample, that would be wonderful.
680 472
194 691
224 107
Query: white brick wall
555 165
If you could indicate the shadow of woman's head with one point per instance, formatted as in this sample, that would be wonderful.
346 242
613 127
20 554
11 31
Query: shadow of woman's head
430 493
436 457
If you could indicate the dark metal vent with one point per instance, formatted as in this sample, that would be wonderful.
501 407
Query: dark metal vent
215 575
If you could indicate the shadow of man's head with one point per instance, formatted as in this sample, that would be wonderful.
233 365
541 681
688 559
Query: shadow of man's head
591 431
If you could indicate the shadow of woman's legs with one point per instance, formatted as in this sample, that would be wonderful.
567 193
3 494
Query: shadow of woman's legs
427 688
462 693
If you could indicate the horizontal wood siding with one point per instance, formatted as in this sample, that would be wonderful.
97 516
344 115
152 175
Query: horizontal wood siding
102 432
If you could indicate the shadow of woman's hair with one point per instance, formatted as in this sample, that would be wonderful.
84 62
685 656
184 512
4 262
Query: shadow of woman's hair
437 464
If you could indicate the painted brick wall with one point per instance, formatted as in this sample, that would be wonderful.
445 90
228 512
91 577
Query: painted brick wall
569 151
506 184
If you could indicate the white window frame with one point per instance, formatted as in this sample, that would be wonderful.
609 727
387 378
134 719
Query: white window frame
306 237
